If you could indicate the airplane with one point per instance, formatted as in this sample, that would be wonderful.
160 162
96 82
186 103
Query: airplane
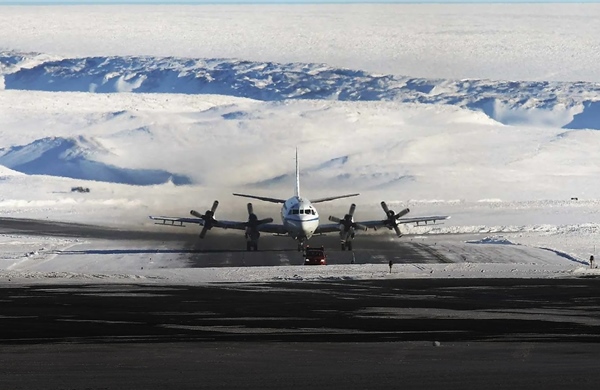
300 219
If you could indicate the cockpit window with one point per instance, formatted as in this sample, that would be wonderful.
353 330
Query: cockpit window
302 211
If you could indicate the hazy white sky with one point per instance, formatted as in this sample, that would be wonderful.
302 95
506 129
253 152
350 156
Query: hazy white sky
35 2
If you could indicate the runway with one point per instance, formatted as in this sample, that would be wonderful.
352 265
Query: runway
351 334
228 248
434 334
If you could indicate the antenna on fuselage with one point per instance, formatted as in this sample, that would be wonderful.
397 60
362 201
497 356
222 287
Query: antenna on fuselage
297 175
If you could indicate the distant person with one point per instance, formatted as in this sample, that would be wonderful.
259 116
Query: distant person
390 264
592 261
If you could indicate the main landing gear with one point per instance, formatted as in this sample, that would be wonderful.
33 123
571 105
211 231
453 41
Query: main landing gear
346 245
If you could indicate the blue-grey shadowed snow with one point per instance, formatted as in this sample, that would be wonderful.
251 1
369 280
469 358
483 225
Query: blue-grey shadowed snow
239 115
128 133
572 105
8 60
334 162
274 181
492 240
67 158
588 119
565 255
395 182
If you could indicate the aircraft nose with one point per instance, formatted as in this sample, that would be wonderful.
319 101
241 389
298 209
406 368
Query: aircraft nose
309 225
297 225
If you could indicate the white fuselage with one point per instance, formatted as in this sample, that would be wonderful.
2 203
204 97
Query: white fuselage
299 217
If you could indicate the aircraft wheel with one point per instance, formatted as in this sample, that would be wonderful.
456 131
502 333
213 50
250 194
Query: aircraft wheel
248 246
343 247
349 245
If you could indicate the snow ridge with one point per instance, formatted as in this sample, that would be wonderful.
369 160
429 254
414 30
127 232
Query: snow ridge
571 105
74 158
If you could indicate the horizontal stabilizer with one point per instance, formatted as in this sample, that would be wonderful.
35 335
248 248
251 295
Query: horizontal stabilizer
320 200
263 198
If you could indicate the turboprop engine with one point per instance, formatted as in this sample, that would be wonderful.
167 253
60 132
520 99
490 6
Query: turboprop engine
208 217
391 222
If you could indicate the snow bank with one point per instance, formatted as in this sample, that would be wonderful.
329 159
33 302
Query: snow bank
443 41
571 105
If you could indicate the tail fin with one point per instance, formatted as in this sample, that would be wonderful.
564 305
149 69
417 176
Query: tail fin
297 175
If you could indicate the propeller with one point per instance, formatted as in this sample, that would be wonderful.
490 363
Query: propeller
252 225
392 218
253 221
348 220
208 217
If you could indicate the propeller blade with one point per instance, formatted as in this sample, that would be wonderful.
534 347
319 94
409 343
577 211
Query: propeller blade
384 207
203 232
402 213
360 227
196 214
250 209
214 206
334 219
398 232
352 208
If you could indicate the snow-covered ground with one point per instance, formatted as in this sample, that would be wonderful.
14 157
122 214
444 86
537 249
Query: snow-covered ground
452 41
157 113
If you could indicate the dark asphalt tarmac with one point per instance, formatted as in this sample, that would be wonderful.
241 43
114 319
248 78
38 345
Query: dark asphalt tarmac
497 334
492 333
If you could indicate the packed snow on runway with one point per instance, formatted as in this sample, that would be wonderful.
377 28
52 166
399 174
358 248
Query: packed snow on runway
478 123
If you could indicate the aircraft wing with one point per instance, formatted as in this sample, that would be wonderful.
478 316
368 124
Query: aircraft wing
272 228
181 221
423 220
176 221
416 220
328 228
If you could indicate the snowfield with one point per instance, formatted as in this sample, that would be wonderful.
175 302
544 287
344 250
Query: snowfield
542 42
429 108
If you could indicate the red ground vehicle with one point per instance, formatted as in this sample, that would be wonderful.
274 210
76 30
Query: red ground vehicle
315 256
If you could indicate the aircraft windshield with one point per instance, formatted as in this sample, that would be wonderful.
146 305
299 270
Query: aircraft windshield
302 211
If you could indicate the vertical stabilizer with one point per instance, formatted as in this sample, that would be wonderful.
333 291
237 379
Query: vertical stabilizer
297 175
